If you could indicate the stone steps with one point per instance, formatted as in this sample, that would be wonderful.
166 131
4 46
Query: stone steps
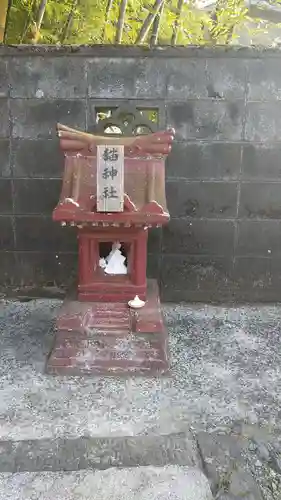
64 454
132 468
141 483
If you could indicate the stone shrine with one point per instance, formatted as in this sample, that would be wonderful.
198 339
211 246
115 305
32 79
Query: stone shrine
113 191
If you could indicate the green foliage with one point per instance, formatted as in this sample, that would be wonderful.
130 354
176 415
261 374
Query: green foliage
86 21
83 22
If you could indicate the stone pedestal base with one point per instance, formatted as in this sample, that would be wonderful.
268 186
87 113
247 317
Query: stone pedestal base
109 338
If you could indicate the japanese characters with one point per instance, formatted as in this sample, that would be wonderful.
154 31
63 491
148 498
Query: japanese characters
110 178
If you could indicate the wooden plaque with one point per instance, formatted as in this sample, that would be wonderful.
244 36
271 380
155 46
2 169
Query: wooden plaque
110 178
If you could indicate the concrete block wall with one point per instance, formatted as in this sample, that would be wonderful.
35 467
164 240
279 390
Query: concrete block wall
223 176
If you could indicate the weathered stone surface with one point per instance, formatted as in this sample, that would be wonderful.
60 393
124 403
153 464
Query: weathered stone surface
107 78
46 268
259 238
243 485
226 80
6 201
273 458
7 241
4 158
151 79
4 78
221 161
260 200
47 78
220 453
186 81
263 121
213 120
142 483
98 453
36 158
115 78
264 80
9 269
35 196
4 113
228 465
206 79
37 118
202 200
226 496
261 161
263 458
198 237
187 276
41 234
256 276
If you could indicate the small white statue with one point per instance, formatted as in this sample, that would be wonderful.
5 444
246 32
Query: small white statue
114 263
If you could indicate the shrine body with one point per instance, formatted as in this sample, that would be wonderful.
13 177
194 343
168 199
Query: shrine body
113 192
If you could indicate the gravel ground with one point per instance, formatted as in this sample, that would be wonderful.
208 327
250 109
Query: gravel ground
225 367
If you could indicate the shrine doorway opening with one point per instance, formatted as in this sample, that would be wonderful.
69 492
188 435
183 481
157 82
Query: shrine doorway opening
126 249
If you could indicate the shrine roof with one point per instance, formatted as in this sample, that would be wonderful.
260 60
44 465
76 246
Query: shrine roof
157 144
144 179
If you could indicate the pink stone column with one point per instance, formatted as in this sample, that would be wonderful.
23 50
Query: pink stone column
140 257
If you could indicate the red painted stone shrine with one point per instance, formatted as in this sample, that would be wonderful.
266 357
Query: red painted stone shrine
113 191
